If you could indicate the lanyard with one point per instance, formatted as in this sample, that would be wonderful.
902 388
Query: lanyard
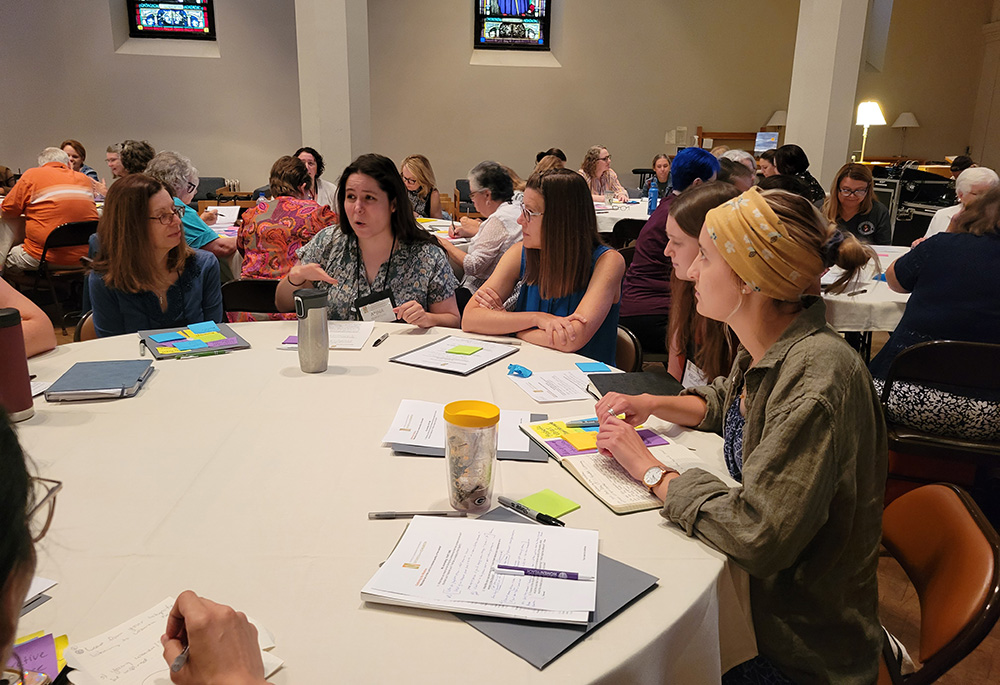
373 288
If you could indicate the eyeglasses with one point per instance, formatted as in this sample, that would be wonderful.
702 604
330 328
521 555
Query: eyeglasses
847 192
528 214
477 190
165 219
604 159
40 516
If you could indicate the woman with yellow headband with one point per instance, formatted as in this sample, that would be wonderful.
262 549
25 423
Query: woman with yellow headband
803 436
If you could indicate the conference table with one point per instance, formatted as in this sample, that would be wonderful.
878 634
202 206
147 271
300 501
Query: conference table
867 304
607 218
249 481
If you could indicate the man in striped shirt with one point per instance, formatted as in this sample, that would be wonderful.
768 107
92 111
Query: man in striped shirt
47 196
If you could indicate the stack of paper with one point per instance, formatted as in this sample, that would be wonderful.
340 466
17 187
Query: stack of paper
132 652
450 565
36 593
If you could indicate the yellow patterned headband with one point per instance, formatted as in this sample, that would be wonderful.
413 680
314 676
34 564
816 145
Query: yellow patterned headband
755 244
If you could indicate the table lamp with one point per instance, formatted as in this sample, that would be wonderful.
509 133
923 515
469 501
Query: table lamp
869 114
904 121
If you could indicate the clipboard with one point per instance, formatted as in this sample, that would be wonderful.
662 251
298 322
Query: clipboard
224 329
452 354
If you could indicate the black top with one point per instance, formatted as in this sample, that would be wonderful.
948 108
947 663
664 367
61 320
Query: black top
872 227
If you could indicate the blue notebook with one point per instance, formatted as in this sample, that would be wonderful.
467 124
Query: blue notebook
100 380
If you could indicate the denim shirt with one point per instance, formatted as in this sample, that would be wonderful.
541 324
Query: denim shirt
807 521
196 296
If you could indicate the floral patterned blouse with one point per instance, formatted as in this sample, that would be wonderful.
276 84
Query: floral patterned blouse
274 230
415 271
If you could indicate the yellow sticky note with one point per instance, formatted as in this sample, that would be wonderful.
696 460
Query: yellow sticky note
62 642
549 502
464 349
422 220
208 337
186 333
28 638
167 350
552 429
584 441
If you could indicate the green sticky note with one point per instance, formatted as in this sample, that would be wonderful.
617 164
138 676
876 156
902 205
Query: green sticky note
464 349
551 503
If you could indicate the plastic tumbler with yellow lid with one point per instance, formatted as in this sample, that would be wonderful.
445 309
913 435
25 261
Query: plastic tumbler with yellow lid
471 453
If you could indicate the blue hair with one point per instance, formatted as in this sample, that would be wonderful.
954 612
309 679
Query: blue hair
691 163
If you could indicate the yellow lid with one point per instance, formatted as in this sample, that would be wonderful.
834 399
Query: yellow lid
472 414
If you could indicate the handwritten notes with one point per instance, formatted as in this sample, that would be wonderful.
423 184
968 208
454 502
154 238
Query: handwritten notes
39 655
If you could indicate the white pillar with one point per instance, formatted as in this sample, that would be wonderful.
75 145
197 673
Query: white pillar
334 90
986 118
828 49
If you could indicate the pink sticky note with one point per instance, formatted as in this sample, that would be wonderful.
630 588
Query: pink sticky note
651 438
39 655
223 343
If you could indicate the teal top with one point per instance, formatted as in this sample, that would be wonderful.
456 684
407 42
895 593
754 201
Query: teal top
197 233
601 347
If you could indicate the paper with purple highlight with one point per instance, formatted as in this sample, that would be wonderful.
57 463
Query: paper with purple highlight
564 449
225 342
39 655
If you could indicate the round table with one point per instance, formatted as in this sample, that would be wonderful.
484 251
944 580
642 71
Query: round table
606 219
248 481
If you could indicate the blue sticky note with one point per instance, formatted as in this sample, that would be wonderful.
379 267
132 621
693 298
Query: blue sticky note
166 337
880 277
593 367
191 345
204 327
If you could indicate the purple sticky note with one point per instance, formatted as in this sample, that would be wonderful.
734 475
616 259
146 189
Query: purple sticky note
39 655
564 449
291 340
651 438
225 342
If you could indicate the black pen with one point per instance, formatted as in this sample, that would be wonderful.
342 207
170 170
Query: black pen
857 292
530 513
381 340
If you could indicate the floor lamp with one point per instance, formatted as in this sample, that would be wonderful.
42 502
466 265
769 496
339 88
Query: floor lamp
869 114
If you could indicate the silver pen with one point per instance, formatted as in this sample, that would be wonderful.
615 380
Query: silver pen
385 515
181 659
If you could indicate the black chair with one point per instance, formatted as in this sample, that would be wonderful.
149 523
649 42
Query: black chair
643 174
625 232
85 328
207 185
250 295
71 234
627 253
463 199
628 351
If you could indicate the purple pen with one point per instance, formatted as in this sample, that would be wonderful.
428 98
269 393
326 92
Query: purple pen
505 570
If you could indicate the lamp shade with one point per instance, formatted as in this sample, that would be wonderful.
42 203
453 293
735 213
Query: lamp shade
870 114
779 118
906 120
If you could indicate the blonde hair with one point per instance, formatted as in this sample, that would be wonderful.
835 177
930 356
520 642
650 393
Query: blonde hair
420 167
547 163
590 160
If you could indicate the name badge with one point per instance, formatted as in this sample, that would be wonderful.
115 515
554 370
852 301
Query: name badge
377 306
693 376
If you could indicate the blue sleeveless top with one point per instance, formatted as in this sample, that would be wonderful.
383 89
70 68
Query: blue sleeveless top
601 347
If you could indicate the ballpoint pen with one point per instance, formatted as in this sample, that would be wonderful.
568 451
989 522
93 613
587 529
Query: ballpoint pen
583 423
505 570
382 338
386 515
192 355
181 659
530 513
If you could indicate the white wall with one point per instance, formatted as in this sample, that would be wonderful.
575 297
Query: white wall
232 115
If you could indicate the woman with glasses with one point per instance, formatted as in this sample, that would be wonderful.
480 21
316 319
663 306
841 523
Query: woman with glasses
421 186
176 172
570 281
222 643
853 207
601 178
145 275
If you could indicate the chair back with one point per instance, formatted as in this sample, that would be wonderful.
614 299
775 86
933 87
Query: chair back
70 234
85 328
628 351
947 362
951 554
250 295
207 187
627 253
625 232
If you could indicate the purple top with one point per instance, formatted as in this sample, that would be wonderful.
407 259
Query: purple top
646 288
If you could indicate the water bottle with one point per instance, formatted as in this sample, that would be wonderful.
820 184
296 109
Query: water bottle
314 336
15 384
654 195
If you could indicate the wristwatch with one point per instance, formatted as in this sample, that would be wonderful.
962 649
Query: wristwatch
654 476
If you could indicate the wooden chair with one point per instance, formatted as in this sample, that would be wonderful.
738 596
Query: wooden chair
626 232
85 328
628 351
71 234
448 205
250 295
951 554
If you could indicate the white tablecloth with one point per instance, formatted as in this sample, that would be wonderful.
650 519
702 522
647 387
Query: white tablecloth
878 308
606 219
244 479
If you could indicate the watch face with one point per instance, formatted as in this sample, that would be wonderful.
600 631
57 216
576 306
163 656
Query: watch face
653 476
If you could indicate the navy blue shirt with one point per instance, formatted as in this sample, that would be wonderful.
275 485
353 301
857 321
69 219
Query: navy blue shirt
952 278
196 296
873 227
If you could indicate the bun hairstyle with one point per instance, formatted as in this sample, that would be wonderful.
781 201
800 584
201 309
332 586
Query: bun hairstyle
809 228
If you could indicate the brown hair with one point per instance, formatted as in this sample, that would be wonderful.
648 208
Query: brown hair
589 163
420 167
518 182
855 172
981 217
135 155
714 348
126 259
569 234
547 163
78 146
288 174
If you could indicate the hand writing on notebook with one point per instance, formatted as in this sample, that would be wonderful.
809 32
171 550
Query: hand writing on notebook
621 442
222 643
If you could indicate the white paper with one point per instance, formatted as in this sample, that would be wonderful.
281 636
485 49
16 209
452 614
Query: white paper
38 586
349 335
438 564
554 386
132 653
422 424
38 387
227 215
436 355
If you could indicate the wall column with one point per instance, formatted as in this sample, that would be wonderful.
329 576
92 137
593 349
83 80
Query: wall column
821 106
985 146
334 89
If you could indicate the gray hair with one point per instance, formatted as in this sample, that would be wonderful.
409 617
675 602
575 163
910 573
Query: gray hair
53 154
115 148
743 157
976 176
491 176
172 169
